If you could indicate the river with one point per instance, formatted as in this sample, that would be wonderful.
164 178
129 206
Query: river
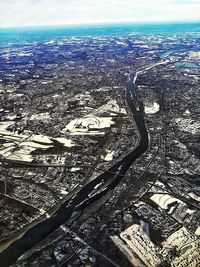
90 192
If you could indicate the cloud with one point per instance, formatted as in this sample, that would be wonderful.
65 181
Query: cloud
53 12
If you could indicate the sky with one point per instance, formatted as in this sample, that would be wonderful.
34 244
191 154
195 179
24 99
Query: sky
61 12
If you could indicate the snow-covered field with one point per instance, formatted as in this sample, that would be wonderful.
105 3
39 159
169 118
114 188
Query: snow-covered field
188 125
88 124
111 107
109 156
152 109
20 146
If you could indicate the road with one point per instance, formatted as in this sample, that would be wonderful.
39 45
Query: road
90 192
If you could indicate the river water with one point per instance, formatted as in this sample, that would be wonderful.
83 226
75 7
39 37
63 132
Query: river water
106 182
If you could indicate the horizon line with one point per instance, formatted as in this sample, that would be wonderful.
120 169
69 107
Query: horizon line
85 24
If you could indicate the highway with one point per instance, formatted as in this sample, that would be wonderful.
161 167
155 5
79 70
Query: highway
90 192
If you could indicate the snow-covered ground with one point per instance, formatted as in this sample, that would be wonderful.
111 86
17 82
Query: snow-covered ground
195 55
164 200
137 241
20 146
66 142
88 124
109 156
110 107
152 109
188 125
40 116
